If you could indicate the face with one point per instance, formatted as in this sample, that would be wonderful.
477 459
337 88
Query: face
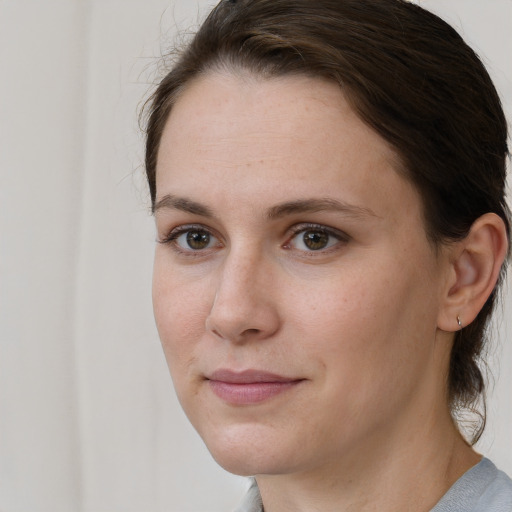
295 291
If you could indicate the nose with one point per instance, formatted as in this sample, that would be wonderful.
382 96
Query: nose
243 308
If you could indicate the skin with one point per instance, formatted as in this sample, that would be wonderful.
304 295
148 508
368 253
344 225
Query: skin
363 324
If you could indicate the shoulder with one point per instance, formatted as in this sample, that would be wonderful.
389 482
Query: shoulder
483 488
498 494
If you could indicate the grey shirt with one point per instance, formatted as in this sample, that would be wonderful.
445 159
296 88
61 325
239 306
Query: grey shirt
481 489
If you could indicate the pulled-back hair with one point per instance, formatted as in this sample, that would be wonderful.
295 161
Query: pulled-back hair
410 77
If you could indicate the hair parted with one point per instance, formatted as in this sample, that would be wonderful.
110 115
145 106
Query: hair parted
410 77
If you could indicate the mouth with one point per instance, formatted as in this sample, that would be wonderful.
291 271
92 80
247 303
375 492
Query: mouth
250 386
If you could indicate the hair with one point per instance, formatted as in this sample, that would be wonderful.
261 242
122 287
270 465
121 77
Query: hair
408 75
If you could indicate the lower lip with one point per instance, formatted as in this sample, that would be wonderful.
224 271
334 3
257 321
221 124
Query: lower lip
249 393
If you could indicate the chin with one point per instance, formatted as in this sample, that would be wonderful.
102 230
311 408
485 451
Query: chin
252 451
241 466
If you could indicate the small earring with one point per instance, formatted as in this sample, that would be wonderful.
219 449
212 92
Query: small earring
459 322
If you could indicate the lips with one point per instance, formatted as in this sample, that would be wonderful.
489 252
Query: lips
250 386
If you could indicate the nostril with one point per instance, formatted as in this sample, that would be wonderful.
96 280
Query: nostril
250 331
217 333
244 334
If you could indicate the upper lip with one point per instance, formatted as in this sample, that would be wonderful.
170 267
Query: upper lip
247 376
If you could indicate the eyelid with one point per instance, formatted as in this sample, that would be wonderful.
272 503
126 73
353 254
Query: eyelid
177 231
295 230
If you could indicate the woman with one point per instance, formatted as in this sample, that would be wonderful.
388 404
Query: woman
327 179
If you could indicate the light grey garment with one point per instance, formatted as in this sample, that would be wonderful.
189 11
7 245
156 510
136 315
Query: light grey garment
252 500
481 489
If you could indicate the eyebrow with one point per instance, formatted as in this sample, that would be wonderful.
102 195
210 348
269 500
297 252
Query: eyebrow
183 204
281 210
318 205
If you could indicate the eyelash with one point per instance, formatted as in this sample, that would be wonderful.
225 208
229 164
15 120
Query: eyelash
296 230
339 236
172 238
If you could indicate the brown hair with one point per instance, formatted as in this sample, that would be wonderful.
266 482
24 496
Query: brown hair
408 75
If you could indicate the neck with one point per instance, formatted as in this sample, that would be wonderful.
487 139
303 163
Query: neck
407 468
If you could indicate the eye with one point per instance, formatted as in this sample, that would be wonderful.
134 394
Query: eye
314 238
195 240
191 238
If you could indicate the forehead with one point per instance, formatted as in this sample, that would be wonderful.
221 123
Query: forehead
244 104
282 138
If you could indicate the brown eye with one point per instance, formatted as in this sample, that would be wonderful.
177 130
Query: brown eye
197 240
191 239
315 240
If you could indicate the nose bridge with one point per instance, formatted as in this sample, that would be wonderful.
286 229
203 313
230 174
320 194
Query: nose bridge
243 305
243 268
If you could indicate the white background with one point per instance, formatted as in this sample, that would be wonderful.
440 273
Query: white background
88 418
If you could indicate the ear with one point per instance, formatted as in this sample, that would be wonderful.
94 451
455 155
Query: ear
475 266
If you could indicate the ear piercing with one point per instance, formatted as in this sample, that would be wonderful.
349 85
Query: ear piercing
459 322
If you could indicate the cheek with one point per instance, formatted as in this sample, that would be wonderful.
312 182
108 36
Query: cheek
180 307
367 323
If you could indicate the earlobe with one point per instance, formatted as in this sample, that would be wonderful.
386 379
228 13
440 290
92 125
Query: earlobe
475 268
